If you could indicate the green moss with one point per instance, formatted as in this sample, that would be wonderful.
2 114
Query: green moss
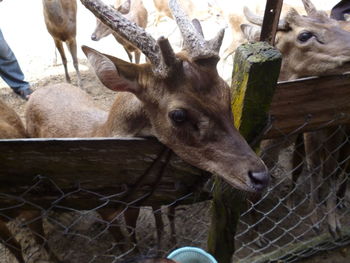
254 77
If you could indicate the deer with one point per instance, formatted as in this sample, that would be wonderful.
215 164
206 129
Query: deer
163 9
179 98
235 17
328 174
312 45
133 10
201 10
12 127
60 20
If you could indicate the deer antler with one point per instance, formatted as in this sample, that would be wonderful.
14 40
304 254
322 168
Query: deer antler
312 11
137 36
309 7
258 20
194 43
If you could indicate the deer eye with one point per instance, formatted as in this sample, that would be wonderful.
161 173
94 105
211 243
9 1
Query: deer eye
305 36
178 116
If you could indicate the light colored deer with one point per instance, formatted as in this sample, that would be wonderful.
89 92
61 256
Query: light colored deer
312 45
164 10
178 98
327 154
11 125
234 16
199 9
60 19
134 11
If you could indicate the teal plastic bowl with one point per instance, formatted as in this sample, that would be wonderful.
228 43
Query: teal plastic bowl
191 255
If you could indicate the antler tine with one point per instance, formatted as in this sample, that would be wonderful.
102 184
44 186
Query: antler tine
131 32
258 20
309 7
194 42
168 54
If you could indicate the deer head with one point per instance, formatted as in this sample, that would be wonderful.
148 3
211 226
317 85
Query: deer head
311 45
313 12
185 100
102 30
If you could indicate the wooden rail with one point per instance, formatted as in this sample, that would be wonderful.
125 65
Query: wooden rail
310 104
86 173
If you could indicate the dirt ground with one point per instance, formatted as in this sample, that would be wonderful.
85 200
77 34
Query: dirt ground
26 33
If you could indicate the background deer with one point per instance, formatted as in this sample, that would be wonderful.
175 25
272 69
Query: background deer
60 19
134 11
312 45
327 153
199 9
11 127
164 10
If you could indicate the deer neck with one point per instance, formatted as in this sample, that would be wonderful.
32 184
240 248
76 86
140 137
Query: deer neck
126 118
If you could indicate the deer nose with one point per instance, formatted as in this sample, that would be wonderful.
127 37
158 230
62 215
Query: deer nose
259 180
93 37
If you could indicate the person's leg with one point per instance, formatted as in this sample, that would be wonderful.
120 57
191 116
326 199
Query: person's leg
10 70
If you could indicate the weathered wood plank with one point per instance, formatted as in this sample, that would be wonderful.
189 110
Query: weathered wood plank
255 74
92 169
310 104
270 22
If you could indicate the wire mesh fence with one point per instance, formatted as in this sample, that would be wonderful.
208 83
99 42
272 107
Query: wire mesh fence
304 211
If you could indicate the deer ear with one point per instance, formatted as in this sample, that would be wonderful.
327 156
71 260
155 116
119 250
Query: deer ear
292 17
250 32
115 74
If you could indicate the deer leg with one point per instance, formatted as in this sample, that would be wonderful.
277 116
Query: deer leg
137 56
297 162
344 172
129 54
110 215
60 48
72 46
334 139
157 213
10 243
54 62
343 186
270 150
131 215
313 159
35 224
171 217
333 222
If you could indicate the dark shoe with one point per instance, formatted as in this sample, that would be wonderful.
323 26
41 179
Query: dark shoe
24 93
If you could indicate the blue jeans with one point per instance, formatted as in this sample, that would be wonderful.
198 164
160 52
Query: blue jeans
10 70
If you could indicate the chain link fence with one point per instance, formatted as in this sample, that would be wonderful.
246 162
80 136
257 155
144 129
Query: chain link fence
290 221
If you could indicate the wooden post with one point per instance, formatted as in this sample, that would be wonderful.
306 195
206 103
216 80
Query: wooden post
255 74
270 22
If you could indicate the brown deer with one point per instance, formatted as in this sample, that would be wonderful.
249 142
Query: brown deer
60 19
201 10
134 11
327 154
11 127
164 10
178 98
312 45
235 17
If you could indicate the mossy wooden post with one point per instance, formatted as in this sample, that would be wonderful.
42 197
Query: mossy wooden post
255 74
